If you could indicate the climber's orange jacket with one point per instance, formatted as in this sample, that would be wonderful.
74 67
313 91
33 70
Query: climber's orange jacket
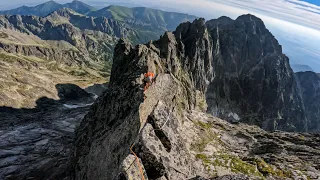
148 79
149 74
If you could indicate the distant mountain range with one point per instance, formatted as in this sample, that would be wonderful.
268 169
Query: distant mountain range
68 43
137 15
48 7
301 68
142 14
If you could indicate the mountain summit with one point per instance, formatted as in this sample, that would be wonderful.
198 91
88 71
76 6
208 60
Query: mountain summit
48 7
253 81
79 7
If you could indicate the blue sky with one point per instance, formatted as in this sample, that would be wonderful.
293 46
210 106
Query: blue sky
295 23
316 2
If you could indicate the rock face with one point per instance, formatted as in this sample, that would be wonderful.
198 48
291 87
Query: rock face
253 81
71 92
309 84
167 126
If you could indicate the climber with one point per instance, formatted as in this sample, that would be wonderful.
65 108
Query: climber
148 80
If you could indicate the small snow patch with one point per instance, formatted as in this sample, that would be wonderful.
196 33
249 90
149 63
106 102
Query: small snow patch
234 116
74 106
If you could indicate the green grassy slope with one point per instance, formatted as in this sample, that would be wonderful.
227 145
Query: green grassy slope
168 20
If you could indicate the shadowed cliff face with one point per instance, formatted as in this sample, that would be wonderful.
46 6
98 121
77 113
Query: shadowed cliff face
309 83
240 66
253 81
169 130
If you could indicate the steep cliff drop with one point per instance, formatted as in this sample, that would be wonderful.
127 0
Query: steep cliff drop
309 83
170 131
253 81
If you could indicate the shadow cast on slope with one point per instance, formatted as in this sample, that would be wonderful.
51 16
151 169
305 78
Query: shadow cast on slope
68 93
41 138
109 129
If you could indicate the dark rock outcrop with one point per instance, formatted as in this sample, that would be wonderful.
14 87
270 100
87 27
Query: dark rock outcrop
309 84
253 81
71 92
36 143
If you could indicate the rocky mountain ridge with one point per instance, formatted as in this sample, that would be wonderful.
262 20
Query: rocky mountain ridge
48 7
169 130
65 25
301 68
139 16
154 17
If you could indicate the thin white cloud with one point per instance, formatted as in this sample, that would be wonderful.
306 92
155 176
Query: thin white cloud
294 11
290 10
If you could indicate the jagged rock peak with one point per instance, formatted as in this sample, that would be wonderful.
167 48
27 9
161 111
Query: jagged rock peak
223 20
196 48
251 77
51 2
63 12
